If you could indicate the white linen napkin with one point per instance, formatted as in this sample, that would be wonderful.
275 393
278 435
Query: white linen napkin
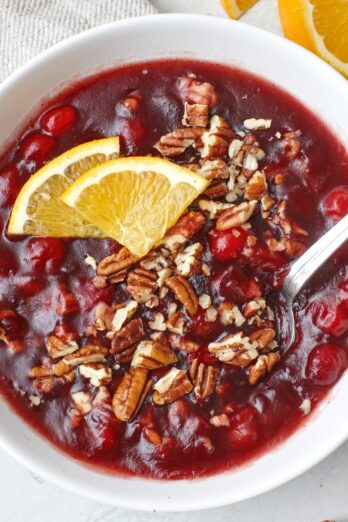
27 27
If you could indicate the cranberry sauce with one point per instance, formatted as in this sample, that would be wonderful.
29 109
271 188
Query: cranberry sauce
47 288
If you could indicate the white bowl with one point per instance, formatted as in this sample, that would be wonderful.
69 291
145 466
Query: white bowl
300 73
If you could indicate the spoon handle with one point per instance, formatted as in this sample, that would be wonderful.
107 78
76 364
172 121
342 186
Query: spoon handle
314 257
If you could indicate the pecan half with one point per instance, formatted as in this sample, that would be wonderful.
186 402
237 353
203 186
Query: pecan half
186 227
195 115
174 385
216 190
182 343
214 169
141 284
176 142
216 140
204 378
235 349
176 323
236 216
44 379
194 91
254 307
184 293
86 354
263 336
264 364
131 393
58 348
151 354
97 373
113 269
256 187
129 335
189 260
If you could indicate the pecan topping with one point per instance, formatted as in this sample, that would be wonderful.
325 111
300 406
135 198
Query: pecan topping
230 314
82 402
97 373
195 115
213 207
188 261
58 348
216 140
292 144
113 269
235 349
204 301
263 336
86 354
214 169
216 190
157 260
123 314
141 284
183 344
254 307
175 323
171 387
220 420
131 393
264 364
151 354
185 228
176 142
236 216
194 91
260 124
184 293
44 380
256 187
153 436
203 378
129 335
104 315
158 323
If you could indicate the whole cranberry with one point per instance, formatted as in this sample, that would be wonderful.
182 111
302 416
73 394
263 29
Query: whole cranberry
336 203
235 285
36 147
9 185
330 317
227 244
8 263
44 254
201 327
325 364
244 428
59 120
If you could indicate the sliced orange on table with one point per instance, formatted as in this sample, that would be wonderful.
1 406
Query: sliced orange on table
236 8
135 199
319 25
39 211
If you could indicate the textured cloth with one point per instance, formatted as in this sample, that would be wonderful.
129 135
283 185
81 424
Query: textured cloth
27 27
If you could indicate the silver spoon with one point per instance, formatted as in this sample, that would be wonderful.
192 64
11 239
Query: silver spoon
301 271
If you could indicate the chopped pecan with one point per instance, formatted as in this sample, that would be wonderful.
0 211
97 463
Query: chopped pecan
211 314
263 336
157 260
131 393
174 385
214 169
235 349
142 284
236 186
188 261
97 373
129 335
182 343
162 276
213 207
292 144
204 301
158 323
216 190
220 420
257 124
86 354
236 152
152 354
236 216
123 314
82 401
264 364
187 226
195 115
113 269
58 348
184 293
254 307
44 380
203 377
175 323
230 314
176 142
104 315
153 436
194 91
216 140
256 187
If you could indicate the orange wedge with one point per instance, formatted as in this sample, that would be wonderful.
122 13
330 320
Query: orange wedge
236 8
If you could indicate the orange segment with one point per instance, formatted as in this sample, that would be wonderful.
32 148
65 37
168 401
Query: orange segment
319 25
236 8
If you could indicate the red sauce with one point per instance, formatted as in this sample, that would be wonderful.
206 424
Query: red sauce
36 274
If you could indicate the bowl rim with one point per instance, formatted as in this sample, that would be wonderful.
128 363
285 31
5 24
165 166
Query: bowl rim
65 481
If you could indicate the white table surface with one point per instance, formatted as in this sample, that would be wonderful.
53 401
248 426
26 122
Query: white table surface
319 494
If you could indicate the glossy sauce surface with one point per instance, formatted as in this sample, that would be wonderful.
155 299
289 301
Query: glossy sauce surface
37 274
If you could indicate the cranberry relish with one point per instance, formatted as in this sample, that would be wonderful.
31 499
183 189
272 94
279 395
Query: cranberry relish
168 366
